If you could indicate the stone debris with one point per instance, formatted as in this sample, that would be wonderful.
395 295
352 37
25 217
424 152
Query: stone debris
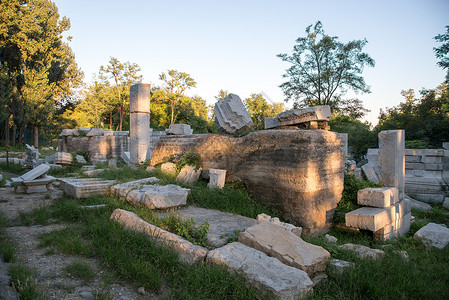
330 238
179 129
32 156
93 172
418 205
363 251
217 178
34 181
231 115
188 252
271 122
62 158
433 235
290 249
159 196
168 168
446 203
370 174
318 278
287 226
315 117
267 274
95 132
85 187
402 254
122 189
112 163
125 156
189 174
378 197
338 266
80 159
35 173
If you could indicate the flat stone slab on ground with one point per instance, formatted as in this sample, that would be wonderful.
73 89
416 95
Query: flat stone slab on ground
222 225
418 205
35 173
159 196
338 266
363 251
188 252
85 187
267 274
274 240
93 172
122 189
433 235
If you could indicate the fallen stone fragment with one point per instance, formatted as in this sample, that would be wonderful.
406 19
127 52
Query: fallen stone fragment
188 252
122 189
35 173
370 173
302 115
330 238
93 172
217 178
231 115
378 197
289 227
446 203
168 168
62 158
267 274
126 157
319 278
290 249
363 251
95 132
433 235
84 187
189 174
179 129
419 205
403 254
159 196
80 159
338 266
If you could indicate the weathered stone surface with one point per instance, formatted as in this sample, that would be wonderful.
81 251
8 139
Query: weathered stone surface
446 145
67 132
179 129
84 187
290 249
345 138
35 173
159 196
188 252
433 235
122 189
446 203
419 205
301 115
391 159
95 132
139 118
400 226
271 277
331 238
363 251
222 225
125 156
378 197
338 266
62 158
32 156
231 115
271 122
217 178
93 172
287 226
188 174
168 168
297 172
39 185
80 159
370 174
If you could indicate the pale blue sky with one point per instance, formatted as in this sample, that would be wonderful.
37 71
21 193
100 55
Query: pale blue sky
232 45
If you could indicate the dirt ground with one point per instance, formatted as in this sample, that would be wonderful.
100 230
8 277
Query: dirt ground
53 281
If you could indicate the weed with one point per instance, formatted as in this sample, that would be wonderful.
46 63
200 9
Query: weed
24 282
81 270
186 229
12 168
231 237
7 250
188 158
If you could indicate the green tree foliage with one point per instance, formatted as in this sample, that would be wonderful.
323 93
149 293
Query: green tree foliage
323 68
425 118
221 94
259 109
36 64
174 86
123 75
442 52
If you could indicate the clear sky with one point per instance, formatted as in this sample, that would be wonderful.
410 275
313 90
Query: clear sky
232 45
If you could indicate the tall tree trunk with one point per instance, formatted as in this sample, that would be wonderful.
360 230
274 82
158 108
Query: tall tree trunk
35 136
14 134
110 119
7 129
22 134
121 118
172 104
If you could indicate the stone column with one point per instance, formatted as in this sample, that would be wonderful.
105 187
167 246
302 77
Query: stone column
139 117
391 159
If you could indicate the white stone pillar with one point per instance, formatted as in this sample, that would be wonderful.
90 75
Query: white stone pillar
391 159
139 119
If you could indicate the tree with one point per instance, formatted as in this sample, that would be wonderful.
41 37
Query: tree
259 109
124 75
175 84
442 52
38 66
323 68
221 94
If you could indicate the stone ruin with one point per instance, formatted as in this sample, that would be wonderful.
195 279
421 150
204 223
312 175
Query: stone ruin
231 115
34 181
32 158
316 117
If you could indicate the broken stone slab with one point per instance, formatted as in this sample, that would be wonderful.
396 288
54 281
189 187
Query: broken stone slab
125 156
121 133
433 235
87 167
370 174
179 129
217 178
267 274
85 187
378 197
418 205
330 238
290 249
159 196
302 115
287 226
35 173
80 159
39 185
112 163
85 129
223 226
62 158
188 252
231 115
338 266
271 122
67 132
122 189
93 172
168 168
189 174
363 251
95 132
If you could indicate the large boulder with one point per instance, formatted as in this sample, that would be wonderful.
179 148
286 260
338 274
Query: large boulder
299 173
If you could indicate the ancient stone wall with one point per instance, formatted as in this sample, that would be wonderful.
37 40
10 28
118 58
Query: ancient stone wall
299 173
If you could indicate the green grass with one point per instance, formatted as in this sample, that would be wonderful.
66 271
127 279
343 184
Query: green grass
7 247
16 169
24 282
81 270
